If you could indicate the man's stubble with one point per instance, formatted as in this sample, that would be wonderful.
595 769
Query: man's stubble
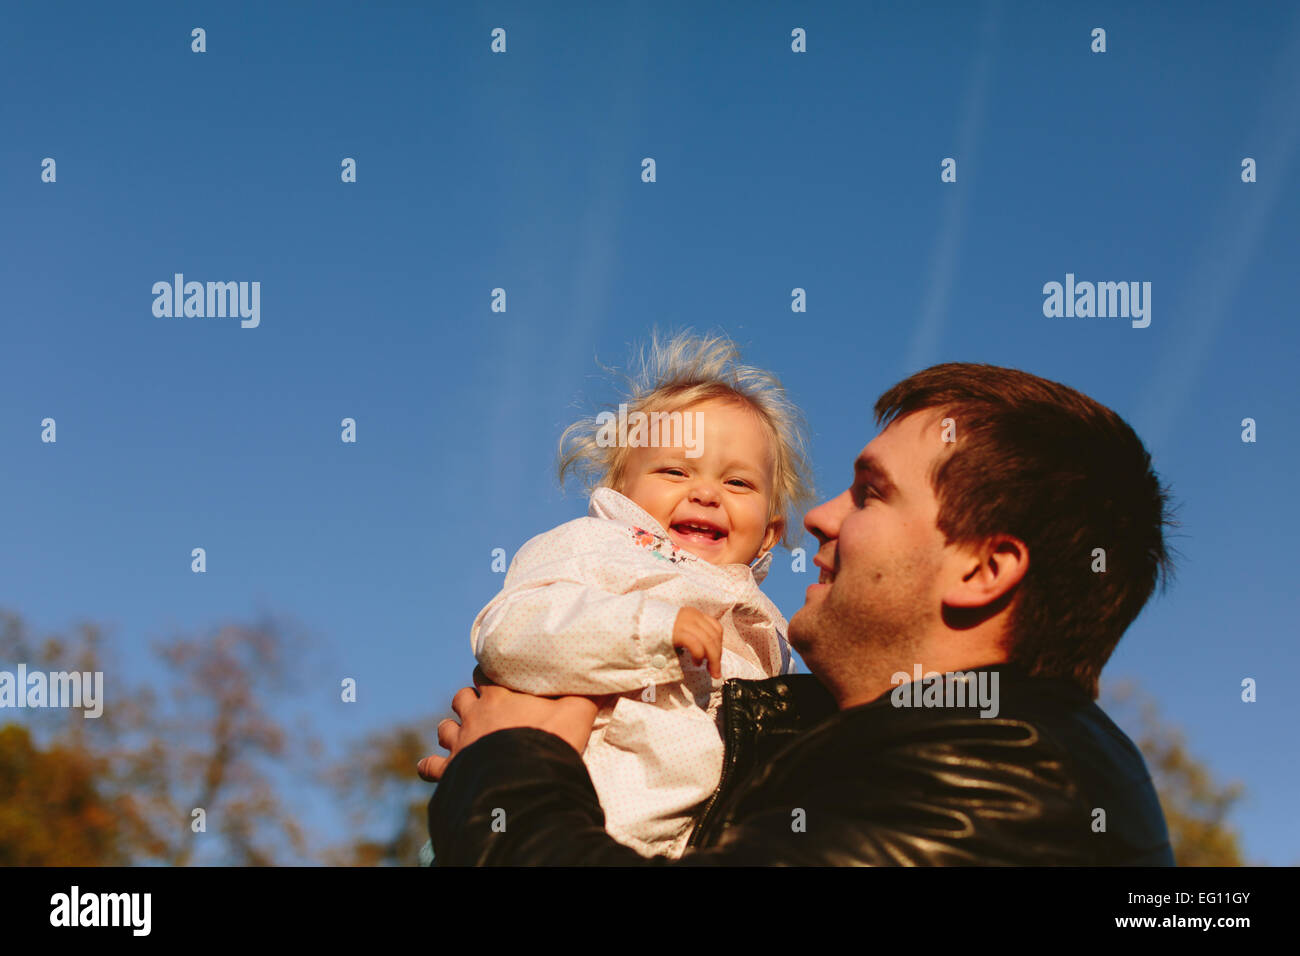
869 628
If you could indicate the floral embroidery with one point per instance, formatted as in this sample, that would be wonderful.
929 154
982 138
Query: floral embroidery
660 546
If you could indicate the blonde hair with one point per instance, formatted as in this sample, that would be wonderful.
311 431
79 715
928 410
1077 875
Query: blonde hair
684 371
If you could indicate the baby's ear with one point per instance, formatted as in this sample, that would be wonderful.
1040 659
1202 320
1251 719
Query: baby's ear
775 528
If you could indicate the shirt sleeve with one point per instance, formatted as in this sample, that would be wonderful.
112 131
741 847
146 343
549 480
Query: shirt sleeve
576 616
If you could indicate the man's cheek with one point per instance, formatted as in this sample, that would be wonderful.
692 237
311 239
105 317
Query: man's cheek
848 559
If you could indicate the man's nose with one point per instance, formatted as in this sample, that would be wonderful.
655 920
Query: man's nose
824 520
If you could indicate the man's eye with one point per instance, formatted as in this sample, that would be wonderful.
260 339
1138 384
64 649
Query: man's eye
864 494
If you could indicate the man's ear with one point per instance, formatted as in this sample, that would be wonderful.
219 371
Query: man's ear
775 528
985 574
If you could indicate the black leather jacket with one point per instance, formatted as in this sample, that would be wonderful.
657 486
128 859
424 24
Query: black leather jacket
1049 780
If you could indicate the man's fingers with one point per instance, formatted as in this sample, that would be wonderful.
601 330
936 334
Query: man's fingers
584 708
462 704
431 768
575 726
448 730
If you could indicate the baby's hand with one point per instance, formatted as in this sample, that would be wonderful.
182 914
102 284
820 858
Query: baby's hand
701 635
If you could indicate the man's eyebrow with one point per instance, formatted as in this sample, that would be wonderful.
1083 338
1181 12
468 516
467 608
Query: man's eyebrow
866 463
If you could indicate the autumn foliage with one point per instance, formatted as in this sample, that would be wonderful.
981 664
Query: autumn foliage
124 788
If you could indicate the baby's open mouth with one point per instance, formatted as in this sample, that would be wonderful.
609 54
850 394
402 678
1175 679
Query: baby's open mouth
699 529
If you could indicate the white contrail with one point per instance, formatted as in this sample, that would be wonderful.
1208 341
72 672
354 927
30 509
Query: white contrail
943 262
1229 247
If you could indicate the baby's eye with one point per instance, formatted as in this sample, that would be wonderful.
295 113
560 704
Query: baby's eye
674 471
740 482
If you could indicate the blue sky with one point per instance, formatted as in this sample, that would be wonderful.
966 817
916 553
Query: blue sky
522 171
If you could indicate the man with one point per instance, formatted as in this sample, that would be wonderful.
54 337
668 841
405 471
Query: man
999 536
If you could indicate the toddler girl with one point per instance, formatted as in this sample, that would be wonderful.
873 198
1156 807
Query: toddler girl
652 601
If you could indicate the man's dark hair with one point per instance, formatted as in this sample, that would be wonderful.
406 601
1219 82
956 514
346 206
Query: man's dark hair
1064 474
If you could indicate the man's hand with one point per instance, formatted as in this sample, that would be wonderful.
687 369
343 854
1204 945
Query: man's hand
701 635
485 708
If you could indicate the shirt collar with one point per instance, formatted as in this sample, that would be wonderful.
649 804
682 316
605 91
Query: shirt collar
608 503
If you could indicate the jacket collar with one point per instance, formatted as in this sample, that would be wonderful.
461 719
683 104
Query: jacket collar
1011 676
608 503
